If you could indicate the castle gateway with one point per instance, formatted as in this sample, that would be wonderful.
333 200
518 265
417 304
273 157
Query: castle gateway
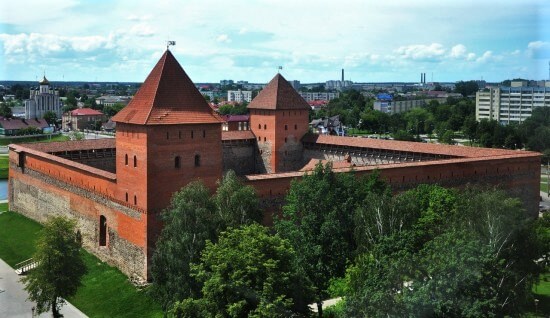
168 136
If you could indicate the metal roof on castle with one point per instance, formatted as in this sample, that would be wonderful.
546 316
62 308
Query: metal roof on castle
168 96
279 95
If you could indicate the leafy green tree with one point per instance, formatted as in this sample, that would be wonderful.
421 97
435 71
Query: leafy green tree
248 273
5 110
466 88
469 128
318 221
60 266
113 110
447 137
189 221
465 254
236 203
50 117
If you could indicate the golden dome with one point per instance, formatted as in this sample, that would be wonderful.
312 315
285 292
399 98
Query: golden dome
44 81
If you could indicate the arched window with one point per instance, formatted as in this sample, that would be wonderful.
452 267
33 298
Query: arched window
197 160
102 231
135 161
135 199
286 127
265 139
265 126
259 138
192 134
177 162
259 126
126 196
295 127
126 159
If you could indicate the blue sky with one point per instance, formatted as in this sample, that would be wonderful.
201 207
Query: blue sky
390 40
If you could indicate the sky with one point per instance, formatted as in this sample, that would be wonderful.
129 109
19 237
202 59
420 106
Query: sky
373 40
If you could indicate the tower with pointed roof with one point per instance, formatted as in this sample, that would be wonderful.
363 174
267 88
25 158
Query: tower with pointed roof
279 119
167 136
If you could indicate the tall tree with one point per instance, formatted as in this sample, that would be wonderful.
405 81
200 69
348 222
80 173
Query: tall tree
466 88
248 273
60 266
189 221
236 203
318 220
50 117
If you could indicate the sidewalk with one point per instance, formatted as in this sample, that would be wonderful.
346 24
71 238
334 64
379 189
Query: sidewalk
13 298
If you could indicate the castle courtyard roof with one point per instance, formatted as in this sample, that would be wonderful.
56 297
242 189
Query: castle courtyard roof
279 95
168 96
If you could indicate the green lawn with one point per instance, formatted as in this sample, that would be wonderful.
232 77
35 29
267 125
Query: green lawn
42 138
541 291
17 236
4 168
105 291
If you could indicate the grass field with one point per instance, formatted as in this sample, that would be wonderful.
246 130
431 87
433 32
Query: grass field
4 160
105 291
41 138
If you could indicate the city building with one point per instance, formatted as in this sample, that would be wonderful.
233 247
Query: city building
13 126
239 96
338 85
82 118
42 100
110 100
295 84
235 122
168 136
324 96
511 104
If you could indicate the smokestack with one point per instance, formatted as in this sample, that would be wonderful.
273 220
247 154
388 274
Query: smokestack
421 78
342 75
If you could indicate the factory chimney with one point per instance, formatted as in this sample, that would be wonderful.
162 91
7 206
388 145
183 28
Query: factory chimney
342 75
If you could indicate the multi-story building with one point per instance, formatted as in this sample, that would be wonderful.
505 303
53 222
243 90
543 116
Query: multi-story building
239 96
110 100
511 104
42 100
82 118
312 96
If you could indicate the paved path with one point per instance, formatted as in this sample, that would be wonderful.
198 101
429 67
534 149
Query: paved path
13 298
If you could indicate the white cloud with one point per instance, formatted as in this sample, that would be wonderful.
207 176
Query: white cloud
486 57
421 51
142 30
223 38
458 51
538 50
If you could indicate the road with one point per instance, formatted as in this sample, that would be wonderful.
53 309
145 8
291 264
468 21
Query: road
13 298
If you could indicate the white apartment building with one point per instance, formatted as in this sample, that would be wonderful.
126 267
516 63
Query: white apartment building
239 96
311 96
511 104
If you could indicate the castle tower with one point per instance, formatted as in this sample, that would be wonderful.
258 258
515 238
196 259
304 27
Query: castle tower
167 136
279 118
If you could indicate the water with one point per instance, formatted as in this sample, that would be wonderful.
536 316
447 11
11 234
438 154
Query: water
3 189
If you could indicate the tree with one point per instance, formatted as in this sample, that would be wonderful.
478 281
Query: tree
113 110
248 273
461 254
189 222
50 117
318 221
236 203
5 110
60 266
466 88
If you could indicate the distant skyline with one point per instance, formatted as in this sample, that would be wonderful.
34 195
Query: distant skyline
374 41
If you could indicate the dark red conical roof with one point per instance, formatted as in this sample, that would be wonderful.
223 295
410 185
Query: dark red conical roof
279 94
168 96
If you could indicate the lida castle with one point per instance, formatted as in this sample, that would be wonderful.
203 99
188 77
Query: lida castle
168 136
